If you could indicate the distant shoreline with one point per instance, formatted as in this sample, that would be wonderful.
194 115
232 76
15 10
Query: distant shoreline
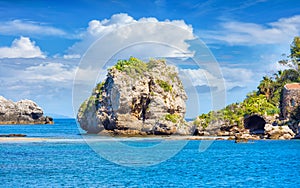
105 139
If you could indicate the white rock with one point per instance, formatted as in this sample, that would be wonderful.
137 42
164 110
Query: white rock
137 101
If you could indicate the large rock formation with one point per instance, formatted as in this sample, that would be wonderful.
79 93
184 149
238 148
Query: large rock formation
137 98
22 112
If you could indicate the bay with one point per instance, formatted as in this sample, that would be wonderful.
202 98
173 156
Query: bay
263 163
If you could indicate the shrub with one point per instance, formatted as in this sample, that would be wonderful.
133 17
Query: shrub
164 85
132 66
100 86
172 117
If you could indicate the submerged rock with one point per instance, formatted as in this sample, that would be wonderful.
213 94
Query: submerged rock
13 135
22 112
137 98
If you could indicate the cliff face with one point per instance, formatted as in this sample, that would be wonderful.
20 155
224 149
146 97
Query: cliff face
22 112
136 98
290 101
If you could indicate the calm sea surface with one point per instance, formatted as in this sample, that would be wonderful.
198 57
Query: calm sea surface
74 164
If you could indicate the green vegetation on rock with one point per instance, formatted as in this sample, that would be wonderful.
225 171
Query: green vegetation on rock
88 104
132 67
174 118
164 85
99 87
136 67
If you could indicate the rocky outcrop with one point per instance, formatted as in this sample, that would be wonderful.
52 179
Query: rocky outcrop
137 98
255 127
13 135
278 132
22 112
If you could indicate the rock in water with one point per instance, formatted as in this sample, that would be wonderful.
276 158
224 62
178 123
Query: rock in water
22 112
279 132
137 98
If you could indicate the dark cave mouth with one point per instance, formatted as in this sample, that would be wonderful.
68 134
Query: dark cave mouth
255 123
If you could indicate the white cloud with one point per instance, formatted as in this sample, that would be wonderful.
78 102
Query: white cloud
49 72
22 48
72 56
48 82
20 27
233 77
99 28
237 77
242 33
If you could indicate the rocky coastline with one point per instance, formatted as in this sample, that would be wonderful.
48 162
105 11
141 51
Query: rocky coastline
22 112
272 129
147 99
259 125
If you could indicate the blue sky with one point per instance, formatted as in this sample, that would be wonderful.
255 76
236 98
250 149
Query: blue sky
42 42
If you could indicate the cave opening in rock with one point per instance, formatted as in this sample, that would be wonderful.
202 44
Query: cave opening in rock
36 115
255 123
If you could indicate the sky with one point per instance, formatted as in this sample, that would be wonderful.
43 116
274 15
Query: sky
43 42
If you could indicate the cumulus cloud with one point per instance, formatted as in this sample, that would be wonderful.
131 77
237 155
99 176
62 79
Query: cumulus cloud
99 28
243 33
20 27
22 48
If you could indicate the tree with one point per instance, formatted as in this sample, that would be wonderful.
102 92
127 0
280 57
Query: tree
295 52
293 60
289 75
265 87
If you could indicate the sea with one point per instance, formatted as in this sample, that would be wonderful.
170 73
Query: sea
69 160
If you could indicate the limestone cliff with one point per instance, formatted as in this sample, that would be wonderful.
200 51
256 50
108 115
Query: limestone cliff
22 112
136 98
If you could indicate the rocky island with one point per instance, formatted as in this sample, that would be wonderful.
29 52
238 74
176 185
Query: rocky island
137 98
22 112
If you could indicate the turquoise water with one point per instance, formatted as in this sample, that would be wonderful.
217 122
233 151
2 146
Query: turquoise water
75 164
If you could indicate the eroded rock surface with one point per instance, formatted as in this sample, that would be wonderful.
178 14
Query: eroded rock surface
137 98
279 132
22 112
